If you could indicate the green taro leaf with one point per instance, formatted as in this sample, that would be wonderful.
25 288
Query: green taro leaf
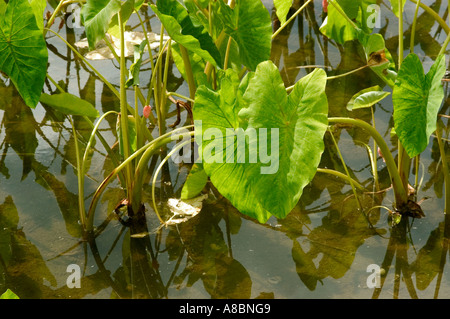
38 10
182 30
8 294
97 15
67 103
195 182
23 51
417 98
394 6
366 98
284 131
250 25
282 9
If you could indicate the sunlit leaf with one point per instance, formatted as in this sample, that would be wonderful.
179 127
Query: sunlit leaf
293 129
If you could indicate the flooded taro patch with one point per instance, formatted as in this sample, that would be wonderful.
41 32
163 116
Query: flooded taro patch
204 149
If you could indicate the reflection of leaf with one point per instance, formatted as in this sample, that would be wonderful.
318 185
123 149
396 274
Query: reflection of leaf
305 267
67 201
427 263
20 129
228 279
24 264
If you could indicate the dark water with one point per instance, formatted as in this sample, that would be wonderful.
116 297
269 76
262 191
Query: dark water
322 249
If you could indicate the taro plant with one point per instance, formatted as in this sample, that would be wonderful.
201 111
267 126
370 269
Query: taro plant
259 142
416 96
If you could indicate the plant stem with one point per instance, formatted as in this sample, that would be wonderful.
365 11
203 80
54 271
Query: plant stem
399 190
413 28
341 175
80 174
175 149
290 19
154 145
345 168
123 106
404 162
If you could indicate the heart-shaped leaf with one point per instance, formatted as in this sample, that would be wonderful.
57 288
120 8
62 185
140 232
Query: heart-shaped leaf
417 98
249 24
23 52
282 136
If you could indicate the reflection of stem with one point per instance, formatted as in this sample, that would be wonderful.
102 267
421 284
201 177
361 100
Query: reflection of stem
445 168
434 15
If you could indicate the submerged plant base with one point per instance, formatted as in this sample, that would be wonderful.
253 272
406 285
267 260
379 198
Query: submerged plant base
410 209
126 215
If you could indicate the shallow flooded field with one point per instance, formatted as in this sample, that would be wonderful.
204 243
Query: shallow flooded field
331 245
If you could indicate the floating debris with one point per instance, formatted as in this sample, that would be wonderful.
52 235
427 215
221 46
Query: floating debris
183 210
103 52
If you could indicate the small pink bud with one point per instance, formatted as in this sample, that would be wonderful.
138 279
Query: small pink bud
147 111
325 5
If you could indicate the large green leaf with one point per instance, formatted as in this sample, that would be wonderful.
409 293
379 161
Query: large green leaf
417 98
249 24
182 30
67 103
23 52
97 15
289 128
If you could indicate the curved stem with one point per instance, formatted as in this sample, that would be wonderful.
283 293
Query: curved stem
175 149
154 145
341 175
413 28
399 190
123 106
